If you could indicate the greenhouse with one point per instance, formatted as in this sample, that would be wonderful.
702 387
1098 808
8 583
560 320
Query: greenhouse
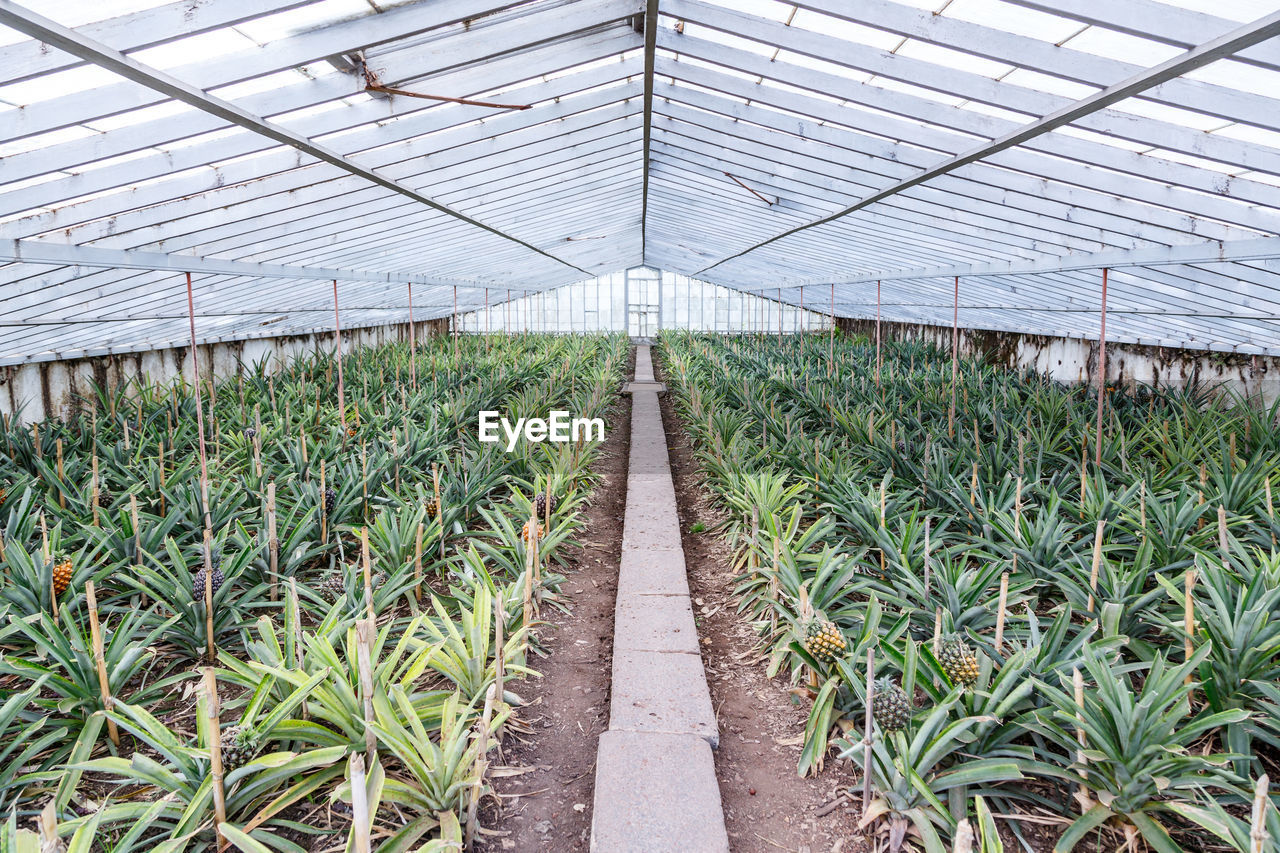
639 426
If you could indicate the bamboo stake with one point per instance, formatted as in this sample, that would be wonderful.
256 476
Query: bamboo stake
481 766
360 823
937 630
215 754
99 658
878 360
364 650
530 535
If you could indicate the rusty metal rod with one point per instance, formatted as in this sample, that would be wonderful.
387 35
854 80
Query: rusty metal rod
388 90
748 189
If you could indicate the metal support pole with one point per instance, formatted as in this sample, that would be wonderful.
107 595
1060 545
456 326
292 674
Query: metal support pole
779 313
955 357
337 340
455 323
877 334
1102 371
832 346
204 458
413 343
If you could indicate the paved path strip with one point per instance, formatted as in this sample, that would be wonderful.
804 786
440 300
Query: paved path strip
656 788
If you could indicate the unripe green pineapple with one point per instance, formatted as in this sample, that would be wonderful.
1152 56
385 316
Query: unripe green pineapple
239 746
890 706
958 660
823 640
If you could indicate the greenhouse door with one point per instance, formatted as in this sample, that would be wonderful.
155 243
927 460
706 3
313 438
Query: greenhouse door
644 294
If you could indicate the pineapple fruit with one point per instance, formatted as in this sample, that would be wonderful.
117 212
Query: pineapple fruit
334 586
538 531
540 504
62 572
215 581
239 746
958 660
330 501
890 706
823 640
433 508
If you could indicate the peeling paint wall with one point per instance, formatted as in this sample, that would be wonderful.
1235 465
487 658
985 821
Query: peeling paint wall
46 389
1075 360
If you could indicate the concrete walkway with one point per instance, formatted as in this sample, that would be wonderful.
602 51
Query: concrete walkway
656 788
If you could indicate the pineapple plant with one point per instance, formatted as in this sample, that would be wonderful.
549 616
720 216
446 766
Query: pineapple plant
239 745
62 572
823 640
890 706
958 660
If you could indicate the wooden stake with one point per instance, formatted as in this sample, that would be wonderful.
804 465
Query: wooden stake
1082 794
417 564
368 572
161 454
364 649
1189 617
1271 511
413 344
99 658
867 736
1001 611
208 598
93 491
273 541
215 754
324 506
1097 562
1258 835
137 528
360 823
937 630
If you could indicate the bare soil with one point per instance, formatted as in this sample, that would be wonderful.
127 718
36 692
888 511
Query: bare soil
767 806
546 782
